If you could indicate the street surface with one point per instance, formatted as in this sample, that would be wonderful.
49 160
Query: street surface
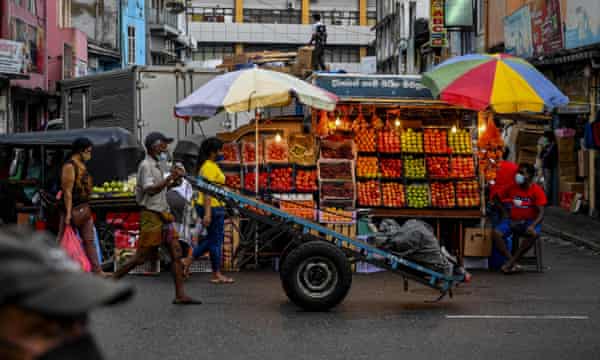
555 315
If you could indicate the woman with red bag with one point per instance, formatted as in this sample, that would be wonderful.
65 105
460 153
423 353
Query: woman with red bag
76 187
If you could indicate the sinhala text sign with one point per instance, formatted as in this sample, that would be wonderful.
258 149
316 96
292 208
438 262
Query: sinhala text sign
374 86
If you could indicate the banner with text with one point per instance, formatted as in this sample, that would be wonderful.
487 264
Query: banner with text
583 23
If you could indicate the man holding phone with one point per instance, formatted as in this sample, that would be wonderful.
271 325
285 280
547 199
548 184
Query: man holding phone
527 201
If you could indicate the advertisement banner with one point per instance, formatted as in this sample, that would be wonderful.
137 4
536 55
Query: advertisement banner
517 33
374 86
583 23
12 58
438 32
546 27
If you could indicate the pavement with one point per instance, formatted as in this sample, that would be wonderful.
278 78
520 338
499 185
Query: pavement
554 315
578 228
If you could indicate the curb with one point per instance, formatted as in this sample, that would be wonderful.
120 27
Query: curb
549 230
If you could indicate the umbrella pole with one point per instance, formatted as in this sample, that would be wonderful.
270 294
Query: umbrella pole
257 178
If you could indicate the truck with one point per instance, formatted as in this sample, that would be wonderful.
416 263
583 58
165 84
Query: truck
140 99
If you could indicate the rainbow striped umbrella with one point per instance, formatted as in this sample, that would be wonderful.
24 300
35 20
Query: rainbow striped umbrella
249 89
500 82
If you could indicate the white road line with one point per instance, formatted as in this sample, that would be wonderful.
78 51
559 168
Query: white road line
519 317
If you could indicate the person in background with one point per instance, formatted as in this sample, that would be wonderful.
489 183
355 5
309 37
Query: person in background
549 161
319 40
33 173
179 198
76 187
156 220
45 300
210 210
525 219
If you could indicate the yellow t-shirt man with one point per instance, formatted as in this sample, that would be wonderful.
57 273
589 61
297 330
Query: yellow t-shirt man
213 173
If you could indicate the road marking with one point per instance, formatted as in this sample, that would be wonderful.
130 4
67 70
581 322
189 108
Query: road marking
524 317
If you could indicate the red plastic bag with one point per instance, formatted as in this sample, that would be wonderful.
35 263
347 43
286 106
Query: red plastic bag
72 246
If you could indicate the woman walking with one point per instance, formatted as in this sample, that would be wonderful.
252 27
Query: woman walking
76 187
211 210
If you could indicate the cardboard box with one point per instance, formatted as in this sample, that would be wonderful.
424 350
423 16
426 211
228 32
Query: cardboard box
527 157
304 59
583 163
572 187
478 242
567 171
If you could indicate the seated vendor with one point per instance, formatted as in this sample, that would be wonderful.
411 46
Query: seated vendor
525 219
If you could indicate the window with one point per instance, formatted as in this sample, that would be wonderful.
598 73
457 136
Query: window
335 17
32 6
209 14
130 45
271 16
64 13
212 52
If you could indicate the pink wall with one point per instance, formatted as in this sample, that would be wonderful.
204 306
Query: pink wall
57 38
11 10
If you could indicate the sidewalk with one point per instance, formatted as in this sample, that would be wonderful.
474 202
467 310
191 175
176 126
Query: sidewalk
577 228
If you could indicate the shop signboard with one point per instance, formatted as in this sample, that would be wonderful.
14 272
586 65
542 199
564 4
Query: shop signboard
437 31
546 27
583 23
375 86
517 33
12 58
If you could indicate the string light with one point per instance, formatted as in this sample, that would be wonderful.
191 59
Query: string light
278 137
397 123
454 129
338 121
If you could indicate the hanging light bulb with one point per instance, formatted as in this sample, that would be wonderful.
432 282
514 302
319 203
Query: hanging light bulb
278 138
397 123
338 121
482 128
454 129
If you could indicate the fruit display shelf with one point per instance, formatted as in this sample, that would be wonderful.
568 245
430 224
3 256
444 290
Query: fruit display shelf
367 167
336 170
412 141
231 153
369 193
436 141
414 167
417 196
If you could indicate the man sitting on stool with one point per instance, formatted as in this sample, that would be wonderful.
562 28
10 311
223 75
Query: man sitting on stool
527 201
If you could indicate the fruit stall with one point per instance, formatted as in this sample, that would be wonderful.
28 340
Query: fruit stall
388 151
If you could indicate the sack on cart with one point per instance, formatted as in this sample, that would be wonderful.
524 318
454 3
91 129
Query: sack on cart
415 241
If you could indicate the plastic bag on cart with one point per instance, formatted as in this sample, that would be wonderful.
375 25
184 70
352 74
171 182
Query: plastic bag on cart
415 241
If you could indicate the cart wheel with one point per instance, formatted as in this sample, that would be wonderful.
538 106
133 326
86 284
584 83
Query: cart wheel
316 276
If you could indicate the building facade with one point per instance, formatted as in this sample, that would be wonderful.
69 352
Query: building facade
168 39
133 32
235 26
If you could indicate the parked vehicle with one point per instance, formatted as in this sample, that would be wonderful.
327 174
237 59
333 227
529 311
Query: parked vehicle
139 99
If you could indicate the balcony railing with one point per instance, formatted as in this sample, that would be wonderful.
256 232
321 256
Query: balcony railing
162 17
210 14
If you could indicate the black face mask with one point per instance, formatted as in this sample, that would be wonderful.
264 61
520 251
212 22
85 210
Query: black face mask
83 347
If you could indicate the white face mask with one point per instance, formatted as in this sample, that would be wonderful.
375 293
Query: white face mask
520 179
163 156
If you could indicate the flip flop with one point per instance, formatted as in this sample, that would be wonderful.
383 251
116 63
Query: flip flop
221 281
187 302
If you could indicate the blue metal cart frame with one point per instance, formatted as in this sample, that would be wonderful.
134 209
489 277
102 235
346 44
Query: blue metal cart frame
355 249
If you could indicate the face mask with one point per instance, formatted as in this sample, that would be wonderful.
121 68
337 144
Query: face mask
162 156
520 179
83 347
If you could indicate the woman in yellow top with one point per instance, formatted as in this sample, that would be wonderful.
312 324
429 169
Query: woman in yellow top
211 210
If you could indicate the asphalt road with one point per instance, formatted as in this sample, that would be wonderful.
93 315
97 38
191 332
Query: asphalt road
554 315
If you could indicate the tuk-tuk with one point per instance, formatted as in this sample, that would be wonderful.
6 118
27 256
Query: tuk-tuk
32 161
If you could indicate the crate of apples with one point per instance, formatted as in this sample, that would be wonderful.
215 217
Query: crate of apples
365 141
393 195
460 142
249 152
468 194
438 167
281 179
463 167
442 195
306 180
414 167
302 208
388 142
233 180
231 153
436 141
366 167
412 141
391 168
333 215
369 193
417 196
250 181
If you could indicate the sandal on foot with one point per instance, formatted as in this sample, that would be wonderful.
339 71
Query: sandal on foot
187 302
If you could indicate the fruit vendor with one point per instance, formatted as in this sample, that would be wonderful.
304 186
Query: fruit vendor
505 178
525 219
